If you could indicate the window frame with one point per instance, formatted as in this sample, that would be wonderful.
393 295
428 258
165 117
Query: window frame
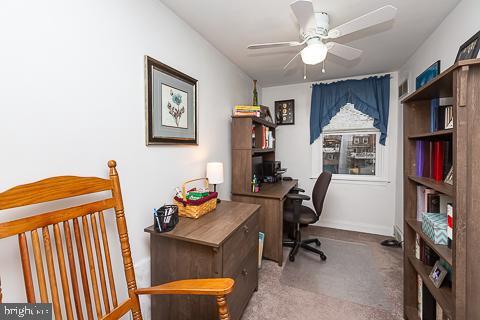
380 176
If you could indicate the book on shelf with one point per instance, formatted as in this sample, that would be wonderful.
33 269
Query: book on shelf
429 304
450 224
267 138
433 159
247 111
441 116
419 296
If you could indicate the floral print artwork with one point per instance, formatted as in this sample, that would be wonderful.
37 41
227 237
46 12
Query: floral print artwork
174 107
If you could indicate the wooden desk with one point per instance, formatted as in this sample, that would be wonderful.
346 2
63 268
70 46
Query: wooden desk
223 243
271 197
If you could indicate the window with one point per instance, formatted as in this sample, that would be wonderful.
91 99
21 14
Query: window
349 147
346 159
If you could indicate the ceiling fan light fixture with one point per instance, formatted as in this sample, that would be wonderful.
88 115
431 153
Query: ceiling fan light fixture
314 53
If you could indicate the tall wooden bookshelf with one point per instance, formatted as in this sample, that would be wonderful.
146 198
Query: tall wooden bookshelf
243 149
461 82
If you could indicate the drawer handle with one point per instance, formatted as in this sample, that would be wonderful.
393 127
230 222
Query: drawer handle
245 272
245 229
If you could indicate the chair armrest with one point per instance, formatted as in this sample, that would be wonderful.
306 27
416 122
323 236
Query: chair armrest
207 287
297 190
295 196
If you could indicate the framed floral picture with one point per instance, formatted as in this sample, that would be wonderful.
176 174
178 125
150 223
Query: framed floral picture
171 105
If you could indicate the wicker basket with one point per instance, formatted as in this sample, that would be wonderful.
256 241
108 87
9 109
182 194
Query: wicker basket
197 208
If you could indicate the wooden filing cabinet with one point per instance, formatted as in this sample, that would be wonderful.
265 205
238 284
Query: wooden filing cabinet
221 244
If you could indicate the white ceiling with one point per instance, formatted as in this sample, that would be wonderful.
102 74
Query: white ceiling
232 25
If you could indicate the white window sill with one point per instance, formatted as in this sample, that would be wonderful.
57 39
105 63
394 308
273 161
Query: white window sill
353 179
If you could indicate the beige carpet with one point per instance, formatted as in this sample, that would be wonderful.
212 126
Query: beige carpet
283 295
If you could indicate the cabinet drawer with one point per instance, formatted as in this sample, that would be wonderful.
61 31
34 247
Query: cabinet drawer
239 245
246 280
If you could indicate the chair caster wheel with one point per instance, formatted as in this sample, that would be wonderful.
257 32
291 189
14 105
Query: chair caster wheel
318 243
323 257
291 258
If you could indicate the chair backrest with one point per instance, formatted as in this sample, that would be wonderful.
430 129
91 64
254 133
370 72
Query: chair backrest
94 265
320 191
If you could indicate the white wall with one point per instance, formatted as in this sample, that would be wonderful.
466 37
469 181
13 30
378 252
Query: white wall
358 206
442 44
72 97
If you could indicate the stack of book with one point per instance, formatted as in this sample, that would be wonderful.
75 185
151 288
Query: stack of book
433 159
267 138
247 111
441 117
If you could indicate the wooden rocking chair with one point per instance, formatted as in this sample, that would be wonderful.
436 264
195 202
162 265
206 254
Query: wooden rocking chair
91 216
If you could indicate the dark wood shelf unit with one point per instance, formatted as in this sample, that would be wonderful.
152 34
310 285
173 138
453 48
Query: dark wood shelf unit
438 186
446 134
461 82
442 250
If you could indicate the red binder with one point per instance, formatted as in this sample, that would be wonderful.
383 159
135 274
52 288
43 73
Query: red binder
438 161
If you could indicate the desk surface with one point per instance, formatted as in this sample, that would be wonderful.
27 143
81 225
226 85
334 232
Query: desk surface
214 227
276 190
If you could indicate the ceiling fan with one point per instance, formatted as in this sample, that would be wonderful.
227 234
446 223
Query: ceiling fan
315 28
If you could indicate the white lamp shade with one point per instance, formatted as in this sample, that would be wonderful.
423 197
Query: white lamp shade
314 53
215 172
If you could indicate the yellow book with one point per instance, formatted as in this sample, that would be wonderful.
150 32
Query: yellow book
247 107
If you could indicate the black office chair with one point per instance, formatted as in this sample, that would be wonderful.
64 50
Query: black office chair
297 214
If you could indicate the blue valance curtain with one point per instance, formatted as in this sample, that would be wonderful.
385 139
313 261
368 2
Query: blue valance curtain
370 96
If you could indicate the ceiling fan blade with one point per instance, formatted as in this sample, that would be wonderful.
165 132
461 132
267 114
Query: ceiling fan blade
275 45
286 66
343 51
303 10
378 16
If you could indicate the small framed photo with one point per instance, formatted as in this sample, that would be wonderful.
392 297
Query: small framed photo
171 103
469 50
285 111
438 274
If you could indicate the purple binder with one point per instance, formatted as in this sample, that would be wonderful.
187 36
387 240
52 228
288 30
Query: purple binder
420 157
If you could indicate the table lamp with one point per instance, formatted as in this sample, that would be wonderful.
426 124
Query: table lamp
215 174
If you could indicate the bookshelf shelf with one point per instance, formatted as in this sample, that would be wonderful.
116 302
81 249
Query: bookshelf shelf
441 187
460 84
443 251
433 135
260 150
259 121
442 295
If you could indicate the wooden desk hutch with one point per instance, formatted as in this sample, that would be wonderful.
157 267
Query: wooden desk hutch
272 195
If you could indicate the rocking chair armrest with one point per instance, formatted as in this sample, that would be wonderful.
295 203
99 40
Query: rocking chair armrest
207 287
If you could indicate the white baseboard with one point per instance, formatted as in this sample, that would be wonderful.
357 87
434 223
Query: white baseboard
358 227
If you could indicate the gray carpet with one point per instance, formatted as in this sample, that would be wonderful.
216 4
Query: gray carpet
349 273
361 280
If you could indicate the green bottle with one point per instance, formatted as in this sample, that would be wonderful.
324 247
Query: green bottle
255 93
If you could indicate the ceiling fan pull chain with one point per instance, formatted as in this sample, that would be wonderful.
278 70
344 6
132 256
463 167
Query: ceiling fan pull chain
323 67
304 72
